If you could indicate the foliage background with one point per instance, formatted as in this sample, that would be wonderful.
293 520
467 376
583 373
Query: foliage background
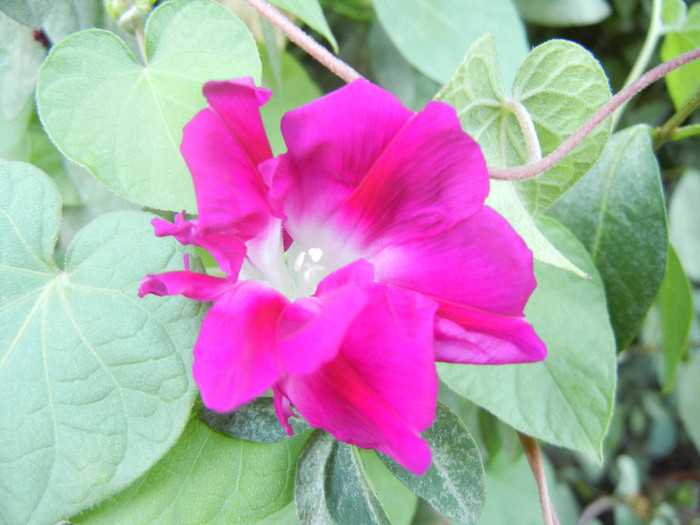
651 468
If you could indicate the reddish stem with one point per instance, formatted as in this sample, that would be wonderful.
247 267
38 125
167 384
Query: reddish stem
529 171
304 41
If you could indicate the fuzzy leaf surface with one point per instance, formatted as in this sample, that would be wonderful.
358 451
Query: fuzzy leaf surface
567 399
454 483
206 478
94 382
122 119
617 210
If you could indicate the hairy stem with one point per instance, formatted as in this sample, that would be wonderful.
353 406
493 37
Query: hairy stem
534 457
672 124
304 41
656 31
529 171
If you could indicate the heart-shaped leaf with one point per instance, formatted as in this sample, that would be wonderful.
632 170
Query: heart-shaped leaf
206 478
566 399
94 382
454 483
557 88
617 210
123 120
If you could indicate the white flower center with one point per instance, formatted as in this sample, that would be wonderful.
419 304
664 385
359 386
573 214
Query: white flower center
295 273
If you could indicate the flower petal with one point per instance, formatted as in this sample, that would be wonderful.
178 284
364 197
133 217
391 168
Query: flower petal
431 176
481 274
381 389
463 335
313 328
235 355
222 146
332 144
227 250
198 286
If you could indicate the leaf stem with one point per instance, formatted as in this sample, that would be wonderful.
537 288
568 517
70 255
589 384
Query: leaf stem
529 171
532 141
656 30
534 457
304 41
670 127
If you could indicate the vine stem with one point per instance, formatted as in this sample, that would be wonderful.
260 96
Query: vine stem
529 171
656 31
304 41
534 458
671 126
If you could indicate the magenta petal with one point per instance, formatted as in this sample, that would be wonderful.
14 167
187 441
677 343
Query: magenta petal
228 251
222 145
470 336
198 286
481 274
332 144
380 391
235 355
481 263
313 328
431 176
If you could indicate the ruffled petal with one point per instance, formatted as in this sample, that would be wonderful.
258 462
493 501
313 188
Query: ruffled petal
198 286
222 145
228 251
312 329
431 176
381 390
332 144
480 263
235 355
481 274
463 335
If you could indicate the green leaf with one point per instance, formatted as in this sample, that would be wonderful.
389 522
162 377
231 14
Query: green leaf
419 28
44 155
123 120
504 198
684 81
675 301
70 16
564 13
20 58
399 502
684 222
567 399
688 394
511 494
557 88
30 13
294 88
674 12
331 486
94 382
617 210
256 421
391 71
206 478
14 134
454 483
310 12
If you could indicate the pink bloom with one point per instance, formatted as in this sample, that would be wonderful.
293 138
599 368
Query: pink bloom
352 262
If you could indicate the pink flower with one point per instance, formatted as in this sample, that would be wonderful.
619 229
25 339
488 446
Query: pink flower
352 262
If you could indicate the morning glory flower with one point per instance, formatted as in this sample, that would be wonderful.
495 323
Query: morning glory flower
350 264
